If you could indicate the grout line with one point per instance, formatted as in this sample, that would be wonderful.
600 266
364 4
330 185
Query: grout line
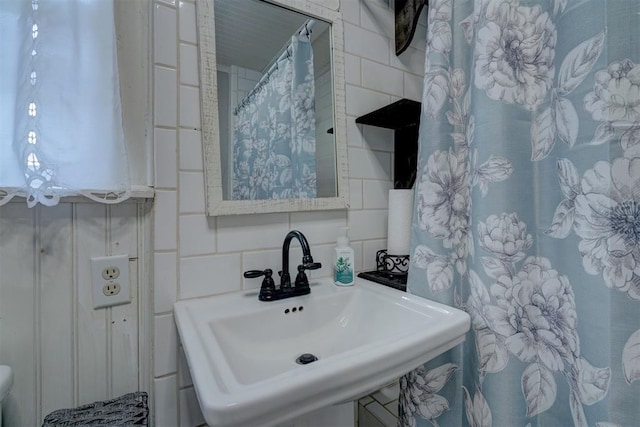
38 253
109 310
75 348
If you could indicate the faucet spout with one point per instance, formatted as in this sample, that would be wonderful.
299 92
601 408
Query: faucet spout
307 259
268 291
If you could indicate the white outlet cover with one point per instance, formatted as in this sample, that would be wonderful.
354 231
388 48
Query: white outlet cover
100 300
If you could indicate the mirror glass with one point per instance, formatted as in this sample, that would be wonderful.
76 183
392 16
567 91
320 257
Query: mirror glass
272 93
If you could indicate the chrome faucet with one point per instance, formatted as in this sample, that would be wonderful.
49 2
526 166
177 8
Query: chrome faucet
268 290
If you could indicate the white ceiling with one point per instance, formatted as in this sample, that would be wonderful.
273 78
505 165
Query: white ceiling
250 33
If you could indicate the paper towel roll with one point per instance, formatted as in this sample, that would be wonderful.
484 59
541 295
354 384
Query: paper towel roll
399 225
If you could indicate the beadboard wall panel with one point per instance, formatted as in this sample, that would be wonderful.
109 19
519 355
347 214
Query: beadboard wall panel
63 352
56 327
18 272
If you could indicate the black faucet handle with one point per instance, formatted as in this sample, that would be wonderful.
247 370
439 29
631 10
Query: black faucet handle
252 274
268 288
302 282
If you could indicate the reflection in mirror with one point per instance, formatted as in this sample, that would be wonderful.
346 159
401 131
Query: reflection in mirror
275 102
272 91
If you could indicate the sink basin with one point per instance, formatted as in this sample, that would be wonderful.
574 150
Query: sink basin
242 352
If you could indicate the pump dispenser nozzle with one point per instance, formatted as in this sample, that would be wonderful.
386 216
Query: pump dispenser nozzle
343 239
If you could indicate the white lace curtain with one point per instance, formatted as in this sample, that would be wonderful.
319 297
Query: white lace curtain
60 114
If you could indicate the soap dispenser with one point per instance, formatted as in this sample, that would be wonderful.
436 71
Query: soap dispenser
343 274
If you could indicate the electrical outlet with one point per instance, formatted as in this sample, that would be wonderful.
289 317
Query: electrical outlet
110 281
111 289
110 273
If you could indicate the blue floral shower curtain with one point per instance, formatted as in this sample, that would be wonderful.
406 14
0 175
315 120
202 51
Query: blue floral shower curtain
527 213
274 142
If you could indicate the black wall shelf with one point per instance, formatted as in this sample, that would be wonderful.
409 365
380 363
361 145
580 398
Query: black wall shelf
400 114
403 117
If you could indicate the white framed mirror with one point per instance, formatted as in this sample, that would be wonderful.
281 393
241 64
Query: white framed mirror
290 155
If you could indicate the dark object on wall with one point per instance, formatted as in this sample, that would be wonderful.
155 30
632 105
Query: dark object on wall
403 117
407 13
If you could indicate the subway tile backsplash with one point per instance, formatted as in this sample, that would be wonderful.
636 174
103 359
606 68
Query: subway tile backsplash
187 22
165 341
165 284
191 150
189 64
165 104
164 37
189 107
166 175
165 220
197 235
207 275
197 256
369 164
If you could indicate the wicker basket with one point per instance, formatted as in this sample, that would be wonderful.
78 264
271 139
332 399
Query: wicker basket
130 409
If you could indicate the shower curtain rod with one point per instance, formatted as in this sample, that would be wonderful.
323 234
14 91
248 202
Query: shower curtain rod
284 52
305 29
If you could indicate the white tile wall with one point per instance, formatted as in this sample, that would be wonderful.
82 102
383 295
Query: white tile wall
374 16
350 11
252 232
209 275
165 402
197 235
191 249
368 224
367 44
165 104
190 414
166 175
376 194
191 150
191 192
184 376
354 132
379 139
362 100
165 283
369 164
166 220
319 227
355 194
188 64
166 345
189 107
369 249
382 78
164 37
352 69
187 22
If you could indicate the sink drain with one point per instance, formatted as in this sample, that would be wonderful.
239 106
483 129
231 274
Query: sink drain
306 358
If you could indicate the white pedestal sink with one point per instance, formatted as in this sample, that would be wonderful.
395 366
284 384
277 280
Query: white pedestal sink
242 352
